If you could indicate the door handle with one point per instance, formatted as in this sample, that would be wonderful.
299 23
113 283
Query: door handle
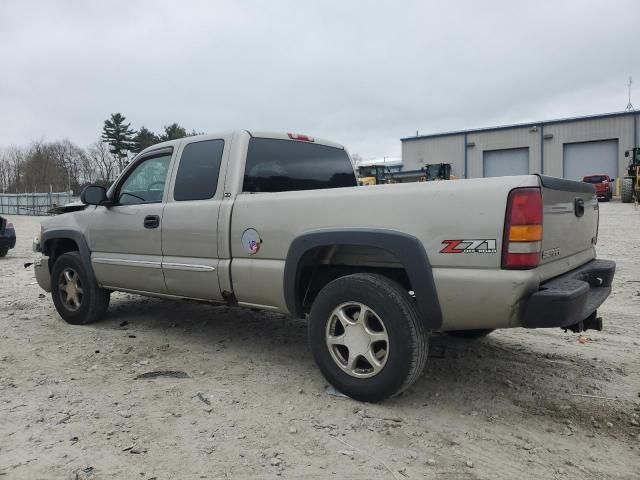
151 221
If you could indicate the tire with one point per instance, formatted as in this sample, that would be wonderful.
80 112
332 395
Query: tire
470 334
75 294
627 190
3 252
392 312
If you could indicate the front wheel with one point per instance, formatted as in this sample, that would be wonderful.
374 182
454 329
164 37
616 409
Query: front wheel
3 252
367 337
77 297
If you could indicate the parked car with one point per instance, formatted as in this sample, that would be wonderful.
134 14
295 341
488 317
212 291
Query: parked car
7 237
277 222
603 185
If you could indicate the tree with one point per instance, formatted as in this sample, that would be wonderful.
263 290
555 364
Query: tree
119 136
143 139
102 161
173 132
14 159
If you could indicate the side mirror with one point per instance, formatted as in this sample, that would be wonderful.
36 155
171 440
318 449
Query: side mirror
93 195
612 180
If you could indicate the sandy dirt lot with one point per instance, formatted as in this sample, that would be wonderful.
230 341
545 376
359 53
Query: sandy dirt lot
517 404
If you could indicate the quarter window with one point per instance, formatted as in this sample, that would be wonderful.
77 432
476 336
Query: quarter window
284 165
197 177
145 183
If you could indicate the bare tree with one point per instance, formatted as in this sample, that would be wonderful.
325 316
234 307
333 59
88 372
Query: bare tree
4 171
102 161
13 162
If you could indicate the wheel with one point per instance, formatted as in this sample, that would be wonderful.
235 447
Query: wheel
367 337
3 252
470 334
627 190
76 296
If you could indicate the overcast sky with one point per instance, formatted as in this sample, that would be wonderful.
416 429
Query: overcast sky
361 73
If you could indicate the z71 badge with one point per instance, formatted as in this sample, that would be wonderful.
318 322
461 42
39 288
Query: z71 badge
469 246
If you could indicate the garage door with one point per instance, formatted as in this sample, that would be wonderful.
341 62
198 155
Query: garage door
587 158
512 161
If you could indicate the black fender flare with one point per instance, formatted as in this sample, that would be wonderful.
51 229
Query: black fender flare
406 248
78 238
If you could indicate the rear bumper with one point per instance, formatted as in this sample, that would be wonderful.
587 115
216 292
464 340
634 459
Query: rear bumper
570 298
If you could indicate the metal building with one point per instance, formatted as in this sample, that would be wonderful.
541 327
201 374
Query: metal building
569 148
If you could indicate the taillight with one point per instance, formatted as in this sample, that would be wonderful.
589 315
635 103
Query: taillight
300 137
522 229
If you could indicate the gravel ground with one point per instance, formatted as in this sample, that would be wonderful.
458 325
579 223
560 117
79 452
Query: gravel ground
517 404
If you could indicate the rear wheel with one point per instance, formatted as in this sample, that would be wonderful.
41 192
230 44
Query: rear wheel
77 297
470 334
627 190
3 252
367 337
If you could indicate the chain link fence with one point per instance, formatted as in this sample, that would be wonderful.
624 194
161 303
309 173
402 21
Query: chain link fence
32 203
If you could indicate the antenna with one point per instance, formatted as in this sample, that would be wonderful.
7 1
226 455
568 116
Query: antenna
629 105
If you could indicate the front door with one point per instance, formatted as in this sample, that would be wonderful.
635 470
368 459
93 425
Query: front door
190 220
125 239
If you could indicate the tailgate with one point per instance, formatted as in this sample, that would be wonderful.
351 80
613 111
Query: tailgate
570 220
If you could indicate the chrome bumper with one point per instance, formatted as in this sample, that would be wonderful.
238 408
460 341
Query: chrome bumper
43 276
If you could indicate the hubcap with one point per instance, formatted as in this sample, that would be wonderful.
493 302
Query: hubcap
70 289
357 340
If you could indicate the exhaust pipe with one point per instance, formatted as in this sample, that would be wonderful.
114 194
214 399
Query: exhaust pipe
592 322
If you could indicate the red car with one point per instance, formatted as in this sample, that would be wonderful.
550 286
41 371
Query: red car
603 185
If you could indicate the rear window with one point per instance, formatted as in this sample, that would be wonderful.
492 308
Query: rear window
197 177
284 165
594 179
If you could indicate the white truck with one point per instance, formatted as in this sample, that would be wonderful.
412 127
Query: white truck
277 222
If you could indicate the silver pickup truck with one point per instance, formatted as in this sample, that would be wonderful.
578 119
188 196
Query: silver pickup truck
277 222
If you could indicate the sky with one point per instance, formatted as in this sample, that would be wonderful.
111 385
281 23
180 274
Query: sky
361 73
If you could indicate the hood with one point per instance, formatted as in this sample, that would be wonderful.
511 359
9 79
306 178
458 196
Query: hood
69 207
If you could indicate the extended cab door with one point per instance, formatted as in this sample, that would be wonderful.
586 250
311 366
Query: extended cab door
125 238
190 219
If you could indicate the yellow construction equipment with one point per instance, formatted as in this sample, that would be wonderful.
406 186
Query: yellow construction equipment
631 181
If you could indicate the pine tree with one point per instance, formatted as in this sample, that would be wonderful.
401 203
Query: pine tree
119 136
173 132
143 139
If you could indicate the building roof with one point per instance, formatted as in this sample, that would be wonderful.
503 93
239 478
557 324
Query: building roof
521 125
386 161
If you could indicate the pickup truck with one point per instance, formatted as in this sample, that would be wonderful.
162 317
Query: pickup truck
277 222
602 184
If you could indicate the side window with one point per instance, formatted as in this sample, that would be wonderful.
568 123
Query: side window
197 177
145 183
283 165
